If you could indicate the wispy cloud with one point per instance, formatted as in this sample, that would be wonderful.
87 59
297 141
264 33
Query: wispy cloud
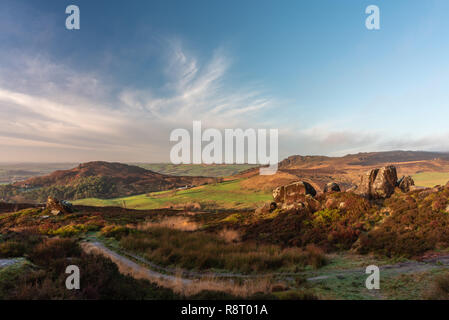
52 106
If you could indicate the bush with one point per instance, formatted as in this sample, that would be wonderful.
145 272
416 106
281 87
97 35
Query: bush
416 226
115 231
73 229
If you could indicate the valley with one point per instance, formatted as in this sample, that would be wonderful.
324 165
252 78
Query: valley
199 237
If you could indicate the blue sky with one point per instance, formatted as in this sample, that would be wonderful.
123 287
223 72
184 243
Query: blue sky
114 89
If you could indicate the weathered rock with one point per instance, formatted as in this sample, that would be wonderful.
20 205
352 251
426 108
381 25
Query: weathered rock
67 205
56 207
278 194
330 203
385 182
293 192
405 183
352 189
366 181
266 208
331 187
378 183
293 206
312 204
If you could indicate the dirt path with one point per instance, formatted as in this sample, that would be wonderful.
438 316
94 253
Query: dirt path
127 266
399 268
8 262
174 279
177 283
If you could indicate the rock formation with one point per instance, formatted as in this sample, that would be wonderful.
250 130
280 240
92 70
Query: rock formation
378 183
405 183
57 207
331 187
293 192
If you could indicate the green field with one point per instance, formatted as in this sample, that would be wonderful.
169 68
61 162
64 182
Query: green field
431 179
226 195
212 170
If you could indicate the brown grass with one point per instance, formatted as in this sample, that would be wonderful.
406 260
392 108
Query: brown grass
205 251
229 235
185 287
439 289
268 183
177 223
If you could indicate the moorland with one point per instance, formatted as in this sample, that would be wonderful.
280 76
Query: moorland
189 233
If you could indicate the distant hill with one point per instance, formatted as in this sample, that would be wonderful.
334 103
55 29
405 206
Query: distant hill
212 170
12 172
98 179
361 159
346 170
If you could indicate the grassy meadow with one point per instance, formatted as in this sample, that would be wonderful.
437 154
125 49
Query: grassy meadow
431 179
226 195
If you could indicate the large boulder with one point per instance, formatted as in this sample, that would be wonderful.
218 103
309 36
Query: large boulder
331 187
385 182
293 192
378 183
366 181
405 183
57 207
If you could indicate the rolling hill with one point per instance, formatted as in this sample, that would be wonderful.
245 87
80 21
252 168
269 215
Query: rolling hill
99 179
347 170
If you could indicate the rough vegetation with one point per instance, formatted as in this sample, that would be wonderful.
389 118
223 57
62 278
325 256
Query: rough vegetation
217 229
96 179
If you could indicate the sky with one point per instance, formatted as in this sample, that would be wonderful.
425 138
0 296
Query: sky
136 70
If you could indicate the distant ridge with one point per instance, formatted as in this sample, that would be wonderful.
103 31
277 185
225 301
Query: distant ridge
117 179
364 158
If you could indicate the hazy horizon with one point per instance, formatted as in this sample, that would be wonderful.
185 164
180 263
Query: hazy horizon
223 164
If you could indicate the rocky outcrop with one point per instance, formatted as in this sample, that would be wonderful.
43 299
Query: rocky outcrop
266 208
378 183
293 192
405 183
331 187
57 207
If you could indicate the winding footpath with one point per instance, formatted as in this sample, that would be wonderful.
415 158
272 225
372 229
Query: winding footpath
8 262
153 271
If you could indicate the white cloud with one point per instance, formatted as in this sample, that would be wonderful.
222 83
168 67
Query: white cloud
49 105
50 111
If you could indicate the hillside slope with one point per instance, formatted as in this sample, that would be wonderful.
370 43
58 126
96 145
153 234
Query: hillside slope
347 170
100 179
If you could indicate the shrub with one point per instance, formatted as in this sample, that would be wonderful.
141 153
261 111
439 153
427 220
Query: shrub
416 225
73 229
115 231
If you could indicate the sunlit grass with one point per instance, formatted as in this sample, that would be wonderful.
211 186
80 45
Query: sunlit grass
226 195
431 179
